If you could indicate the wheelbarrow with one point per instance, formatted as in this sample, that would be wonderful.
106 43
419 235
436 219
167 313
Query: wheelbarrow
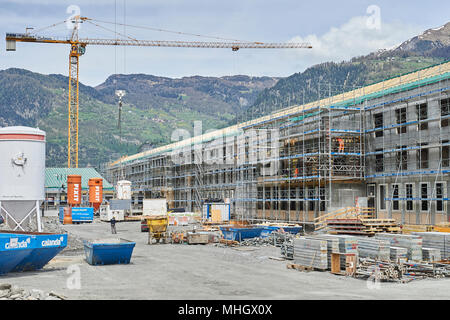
157 228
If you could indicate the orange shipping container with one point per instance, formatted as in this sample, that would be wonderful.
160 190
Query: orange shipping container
74 189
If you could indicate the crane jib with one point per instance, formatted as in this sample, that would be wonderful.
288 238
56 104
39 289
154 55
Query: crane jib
160 43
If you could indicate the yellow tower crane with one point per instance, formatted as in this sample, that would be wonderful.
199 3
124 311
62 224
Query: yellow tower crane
78 48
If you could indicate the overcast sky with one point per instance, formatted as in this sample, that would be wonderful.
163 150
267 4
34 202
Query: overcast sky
338 30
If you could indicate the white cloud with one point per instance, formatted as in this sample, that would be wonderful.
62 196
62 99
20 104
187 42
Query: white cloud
353 38
234 19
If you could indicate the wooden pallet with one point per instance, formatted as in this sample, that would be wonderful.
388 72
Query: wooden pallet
229 242
299 267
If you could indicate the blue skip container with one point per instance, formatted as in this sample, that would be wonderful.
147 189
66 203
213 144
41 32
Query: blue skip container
108 251
28 251
238 234
289 229
13 249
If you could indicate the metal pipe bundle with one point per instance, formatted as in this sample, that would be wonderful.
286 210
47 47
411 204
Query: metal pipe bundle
311 253
373 248
411 242
437 240
380 270
426 270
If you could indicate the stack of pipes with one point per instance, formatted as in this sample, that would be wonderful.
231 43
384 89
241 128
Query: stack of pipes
419 269
380 270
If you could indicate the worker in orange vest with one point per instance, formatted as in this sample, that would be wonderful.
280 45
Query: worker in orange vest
341 145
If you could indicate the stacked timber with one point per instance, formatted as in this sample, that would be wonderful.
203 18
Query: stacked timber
332 245
374 248
311 253
431 254
346 226
398 254
362 227
412 243
437 240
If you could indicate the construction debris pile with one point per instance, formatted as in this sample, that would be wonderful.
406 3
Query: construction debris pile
74 243
275 238
11 292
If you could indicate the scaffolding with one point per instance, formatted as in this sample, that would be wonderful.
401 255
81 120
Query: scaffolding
384 142
408 138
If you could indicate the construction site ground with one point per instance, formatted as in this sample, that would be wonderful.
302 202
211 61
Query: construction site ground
175 271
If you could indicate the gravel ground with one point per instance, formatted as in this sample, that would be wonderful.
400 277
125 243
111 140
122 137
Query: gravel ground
176 271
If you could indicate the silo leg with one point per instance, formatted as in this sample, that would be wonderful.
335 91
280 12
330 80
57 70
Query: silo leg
38 216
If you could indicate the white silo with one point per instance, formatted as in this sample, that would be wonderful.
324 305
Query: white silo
22 175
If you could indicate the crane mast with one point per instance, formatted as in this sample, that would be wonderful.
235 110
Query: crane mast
78 48
73 109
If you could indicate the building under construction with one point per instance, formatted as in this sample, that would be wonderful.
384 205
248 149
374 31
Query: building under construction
385 145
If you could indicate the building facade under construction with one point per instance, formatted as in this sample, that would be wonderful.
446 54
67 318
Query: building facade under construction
384 146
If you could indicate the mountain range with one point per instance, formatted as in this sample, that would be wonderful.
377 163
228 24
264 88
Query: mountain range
330 78
155 106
